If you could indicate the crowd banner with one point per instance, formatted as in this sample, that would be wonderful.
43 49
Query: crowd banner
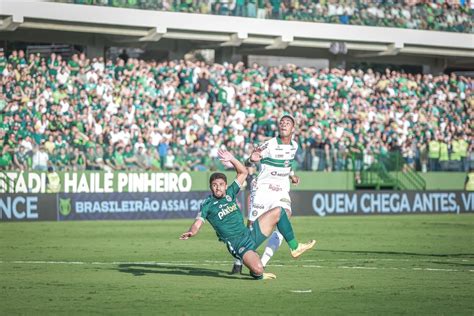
167 205
90 181
129 206
329 203
28 207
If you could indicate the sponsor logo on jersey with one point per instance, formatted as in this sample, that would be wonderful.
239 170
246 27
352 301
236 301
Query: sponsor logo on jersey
226 211
275 188
285 200
279 156
260 206
241 249
263 147
280 174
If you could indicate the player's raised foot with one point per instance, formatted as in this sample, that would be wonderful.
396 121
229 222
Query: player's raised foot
236 269
302 248
268 276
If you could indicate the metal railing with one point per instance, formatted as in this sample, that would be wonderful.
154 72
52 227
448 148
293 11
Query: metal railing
391 172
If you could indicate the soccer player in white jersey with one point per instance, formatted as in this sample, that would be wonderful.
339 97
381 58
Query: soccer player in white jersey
270 190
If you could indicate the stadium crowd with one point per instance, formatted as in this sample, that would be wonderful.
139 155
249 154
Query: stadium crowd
439 15
93 114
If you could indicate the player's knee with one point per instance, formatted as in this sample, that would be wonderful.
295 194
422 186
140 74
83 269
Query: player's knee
276 213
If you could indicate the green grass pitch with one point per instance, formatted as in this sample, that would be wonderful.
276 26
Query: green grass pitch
416 264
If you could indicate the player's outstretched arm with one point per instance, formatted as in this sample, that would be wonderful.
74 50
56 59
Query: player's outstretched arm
227 157
193 230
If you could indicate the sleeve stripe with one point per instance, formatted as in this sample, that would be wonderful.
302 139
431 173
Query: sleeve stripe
240 185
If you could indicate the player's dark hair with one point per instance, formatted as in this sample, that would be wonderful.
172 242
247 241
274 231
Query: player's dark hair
217 175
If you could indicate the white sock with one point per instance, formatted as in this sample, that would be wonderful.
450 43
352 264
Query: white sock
274 242
237 262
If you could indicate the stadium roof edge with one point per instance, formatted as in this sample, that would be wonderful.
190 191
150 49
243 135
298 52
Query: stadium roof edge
228 31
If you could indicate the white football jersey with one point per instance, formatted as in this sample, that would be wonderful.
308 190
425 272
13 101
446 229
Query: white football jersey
275 166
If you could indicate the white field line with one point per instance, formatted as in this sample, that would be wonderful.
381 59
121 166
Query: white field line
385 259
221 263
355 259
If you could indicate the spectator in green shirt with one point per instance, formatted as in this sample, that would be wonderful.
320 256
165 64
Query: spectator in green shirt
119 159
20 159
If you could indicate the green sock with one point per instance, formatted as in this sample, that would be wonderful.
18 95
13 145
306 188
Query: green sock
293 244
285 228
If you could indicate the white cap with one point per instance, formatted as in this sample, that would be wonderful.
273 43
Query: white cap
288 116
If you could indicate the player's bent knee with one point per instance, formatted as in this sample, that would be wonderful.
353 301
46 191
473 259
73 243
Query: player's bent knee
276 213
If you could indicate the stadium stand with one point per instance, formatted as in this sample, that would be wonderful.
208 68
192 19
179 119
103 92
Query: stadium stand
450 16
83 113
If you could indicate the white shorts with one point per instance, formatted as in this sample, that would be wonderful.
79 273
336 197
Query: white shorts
263 200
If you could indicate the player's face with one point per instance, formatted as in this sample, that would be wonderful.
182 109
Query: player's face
286 127
218 188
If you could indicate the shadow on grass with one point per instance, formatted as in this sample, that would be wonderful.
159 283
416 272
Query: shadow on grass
143 269
362 252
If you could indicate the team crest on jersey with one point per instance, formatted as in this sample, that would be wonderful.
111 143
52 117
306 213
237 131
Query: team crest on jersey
228 198
287 162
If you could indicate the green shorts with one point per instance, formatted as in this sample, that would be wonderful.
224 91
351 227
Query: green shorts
251 240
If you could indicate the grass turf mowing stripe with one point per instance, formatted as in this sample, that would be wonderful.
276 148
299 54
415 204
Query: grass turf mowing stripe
153 263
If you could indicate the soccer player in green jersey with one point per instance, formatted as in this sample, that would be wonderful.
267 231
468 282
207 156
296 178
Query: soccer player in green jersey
222 212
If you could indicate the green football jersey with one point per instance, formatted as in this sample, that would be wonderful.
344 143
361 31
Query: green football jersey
224 214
